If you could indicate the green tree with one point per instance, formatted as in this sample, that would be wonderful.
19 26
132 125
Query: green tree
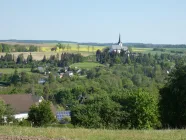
6 112
44 59
46 92
51 78
15 78
143 110
41 114
29 58
137 79
2 111
9 114
97 112
59 45
173 99
1 48
25 78
20 59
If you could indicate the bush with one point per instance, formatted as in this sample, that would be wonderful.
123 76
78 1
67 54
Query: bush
41 114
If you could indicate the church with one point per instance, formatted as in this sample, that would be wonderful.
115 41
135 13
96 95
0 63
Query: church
118 47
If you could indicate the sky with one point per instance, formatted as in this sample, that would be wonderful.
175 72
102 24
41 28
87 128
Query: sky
101 21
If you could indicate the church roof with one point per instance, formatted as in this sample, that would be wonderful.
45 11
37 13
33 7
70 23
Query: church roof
118 47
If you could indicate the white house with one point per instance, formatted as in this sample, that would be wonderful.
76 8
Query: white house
21 103
118 47
70 73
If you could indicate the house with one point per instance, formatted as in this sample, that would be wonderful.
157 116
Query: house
61 75
41 81
118 47
21 103
40 69
70 73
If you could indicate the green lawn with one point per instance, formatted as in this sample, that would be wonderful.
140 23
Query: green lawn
93 134
10 70
86 65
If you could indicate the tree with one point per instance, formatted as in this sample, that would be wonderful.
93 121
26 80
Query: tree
41 114
2 111
137 79
20 59
57 56
25 78
15 78
29 58
51 78
173 99
46 91
1 48
6 112
98 55
97 112
59 45
142 109
44 59
9 114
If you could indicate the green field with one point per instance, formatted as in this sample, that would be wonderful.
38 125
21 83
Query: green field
86 65
150 50
11 71
93 134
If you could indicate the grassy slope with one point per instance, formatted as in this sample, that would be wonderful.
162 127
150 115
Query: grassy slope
91 134
86 65
11 71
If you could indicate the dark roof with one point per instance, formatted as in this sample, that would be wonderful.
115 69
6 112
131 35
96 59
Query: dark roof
20 102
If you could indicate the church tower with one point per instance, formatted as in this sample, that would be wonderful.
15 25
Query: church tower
119 42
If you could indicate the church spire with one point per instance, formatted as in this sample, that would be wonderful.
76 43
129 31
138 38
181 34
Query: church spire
119 39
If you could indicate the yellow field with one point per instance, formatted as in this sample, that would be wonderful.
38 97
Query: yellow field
45 49
83 48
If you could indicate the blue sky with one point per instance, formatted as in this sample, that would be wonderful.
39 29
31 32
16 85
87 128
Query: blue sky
144 21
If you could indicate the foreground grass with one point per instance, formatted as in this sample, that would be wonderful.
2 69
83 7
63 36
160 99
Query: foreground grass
92 134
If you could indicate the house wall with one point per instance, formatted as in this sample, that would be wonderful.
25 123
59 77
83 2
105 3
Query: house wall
21 116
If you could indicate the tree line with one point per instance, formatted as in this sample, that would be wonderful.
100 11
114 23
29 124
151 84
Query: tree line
17 48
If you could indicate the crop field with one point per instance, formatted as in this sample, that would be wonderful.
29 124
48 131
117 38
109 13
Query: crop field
45 49
86 65
11 70
93 134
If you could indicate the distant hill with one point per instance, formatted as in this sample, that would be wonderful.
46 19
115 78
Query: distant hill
137 45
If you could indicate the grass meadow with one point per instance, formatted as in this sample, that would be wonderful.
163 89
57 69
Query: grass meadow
150 50
86 65
93 134
11 70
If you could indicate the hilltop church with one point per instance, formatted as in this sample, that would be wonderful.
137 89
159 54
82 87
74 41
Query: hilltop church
118 47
